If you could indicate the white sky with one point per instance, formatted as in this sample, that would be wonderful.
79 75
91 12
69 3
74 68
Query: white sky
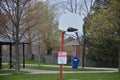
75 23
72 22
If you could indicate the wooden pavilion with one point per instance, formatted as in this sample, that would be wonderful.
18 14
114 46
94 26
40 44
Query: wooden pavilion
7 41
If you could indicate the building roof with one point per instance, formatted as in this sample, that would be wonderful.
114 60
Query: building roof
73 42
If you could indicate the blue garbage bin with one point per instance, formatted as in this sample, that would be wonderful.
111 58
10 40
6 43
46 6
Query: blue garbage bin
75 62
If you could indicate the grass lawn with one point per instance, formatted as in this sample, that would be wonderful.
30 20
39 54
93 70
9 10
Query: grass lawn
30 62
75 76
5 66
94 76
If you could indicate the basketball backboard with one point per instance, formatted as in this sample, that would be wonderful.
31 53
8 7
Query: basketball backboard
70 20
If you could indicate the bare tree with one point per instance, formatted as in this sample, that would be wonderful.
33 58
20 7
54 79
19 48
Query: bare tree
15 11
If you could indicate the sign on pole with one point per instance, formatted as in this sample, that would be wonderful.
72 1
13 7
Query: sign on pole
62 57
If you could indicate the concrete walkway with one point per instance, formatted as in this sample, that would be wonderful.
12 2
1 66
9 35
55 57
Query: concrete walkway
98 68
34 71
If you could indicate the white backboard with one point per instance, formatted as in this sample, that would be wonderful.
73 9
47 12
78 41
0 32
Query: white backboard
70 20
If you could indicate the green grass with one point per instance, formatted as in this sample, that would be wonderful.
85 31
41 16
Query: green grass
6 66
75 76
26 62
11 72
94 76
6 71
52 68
30 62
34 62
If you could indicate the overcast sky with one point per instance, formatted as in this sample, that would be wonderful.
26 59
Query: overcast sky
81 10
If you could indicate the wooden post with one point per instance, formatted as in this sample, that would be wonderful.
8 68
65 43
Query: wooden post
23 55
0 56
11 63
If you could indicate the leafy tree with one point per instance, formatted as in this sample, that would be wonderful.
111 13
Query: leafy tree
105 54
48 29
88 11
45 30
105 26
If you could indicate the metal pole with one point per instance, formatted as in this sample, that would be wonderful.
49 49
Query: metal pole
62 49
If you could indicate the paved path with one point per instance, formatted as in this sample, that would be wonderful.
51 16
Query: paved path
34 71
114 69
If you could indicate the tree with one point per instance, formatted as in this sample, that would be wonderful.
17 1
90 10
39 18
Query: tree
105 26
95 6
73 6
3 20
100 4
45 31
15 11
86 11
48 29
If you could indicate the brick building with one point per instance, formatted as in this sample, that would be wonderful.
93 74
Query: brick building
72 47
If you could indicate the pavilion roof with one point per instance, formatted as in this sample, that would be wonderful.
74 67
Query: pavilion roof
6 40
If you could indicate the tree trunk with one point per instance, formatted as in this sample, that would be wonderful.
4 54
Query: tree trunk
39 52
17 40
49 50
30 51
17 56
17 48
81 54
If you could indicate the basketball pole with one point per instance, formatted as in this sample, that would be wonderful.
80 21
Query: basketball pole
62 49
